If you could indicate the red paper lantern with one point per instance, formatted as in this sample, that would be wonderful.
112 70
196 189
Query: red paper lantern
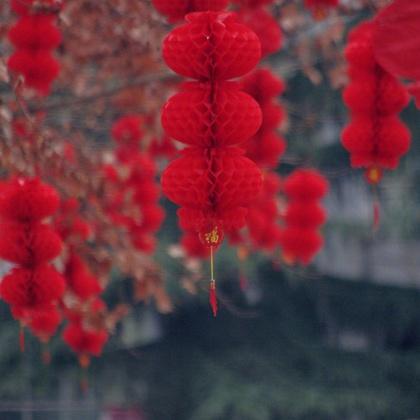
30 245
222 115
27 200
211 46
32 288
221 180
39 69
35 33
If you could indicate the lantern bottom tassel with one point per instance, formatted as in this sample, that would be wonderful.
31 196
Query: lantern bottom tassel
213 297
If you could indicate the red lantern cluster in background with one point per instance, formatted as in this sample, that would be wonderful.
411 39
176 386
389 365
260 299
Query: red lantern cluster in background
137 187
300 238
212 182
81 301
35 36
265 149
376 138
33 287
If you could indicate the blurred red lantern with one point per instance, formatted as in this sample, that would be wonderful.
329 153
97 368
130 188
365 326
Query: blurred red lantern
375 137
300 239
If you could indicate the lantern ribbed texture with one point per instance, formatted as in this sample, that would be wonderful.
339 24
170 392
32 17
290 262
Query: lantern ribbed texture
138 186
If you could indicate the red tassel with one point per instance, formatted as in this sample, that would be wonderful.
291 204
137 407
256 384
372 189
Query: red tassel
376 215
22 339
213 297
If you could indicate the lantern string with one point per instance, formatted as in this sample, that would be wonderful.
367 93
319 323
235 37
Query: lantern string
212 291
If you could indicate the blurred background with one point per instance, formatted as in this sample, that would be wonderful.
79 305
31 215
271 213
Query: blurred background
338 340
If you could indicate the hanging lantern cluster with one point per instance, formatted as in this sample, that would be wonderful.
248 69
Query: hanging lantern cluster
212 181
376 138
261 21
135 186
175 10
33 286
303 217
35 36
